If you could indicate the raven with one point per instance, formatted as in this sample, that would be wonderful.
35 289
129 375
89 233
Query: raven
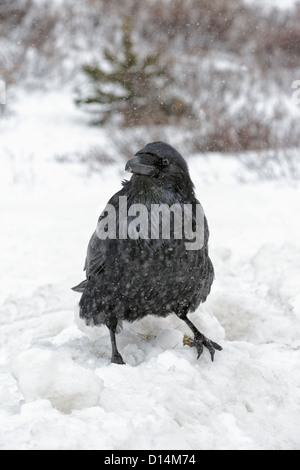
148 273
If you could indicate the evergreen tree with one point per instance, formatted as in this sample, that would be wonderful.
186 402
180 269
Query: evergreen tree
134 88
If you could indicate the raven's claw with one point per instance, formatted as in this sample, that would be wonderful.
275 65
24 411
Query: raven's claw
117 359
200 341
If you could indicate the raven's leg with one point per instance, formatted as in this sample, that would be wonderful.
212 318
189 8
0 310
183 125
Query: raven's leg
199 339
116 357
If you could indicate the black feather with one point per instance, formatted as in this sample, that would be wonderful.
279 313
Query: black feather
129 279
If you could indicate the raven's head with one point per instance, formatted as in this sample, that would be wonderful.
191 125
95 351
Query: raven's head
160 161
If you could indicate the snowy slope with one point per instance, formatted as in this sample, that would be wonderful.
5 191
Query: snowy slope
58 389
268 4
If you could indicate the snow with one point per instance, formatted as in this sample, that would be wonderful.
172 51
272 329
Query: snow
54 376
58 389
268 4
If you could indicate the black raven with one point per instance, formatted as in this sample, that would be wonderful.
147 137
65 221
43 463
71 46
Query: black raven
148 272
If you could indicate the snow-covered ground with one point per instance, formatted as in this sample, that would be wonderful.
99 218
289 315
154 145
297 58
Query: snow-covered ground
268 4
58 389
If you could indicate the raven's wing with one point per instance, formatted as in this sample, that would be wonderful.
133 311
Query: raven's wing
96 254
96 251
94 262
98 248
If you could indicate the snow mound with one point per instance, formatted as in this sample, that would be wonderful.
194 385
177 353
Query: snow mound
168 339
53 375
278 270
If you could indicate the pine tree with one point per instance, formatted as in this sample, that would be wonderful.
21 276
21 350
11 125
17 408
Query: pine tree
135 88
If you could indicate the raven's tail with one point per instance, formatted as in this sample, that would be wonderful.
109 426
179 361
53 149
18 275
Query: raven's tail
80 288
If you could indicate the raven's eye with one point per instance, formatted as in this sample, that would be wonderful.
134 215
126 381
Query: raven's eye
165 162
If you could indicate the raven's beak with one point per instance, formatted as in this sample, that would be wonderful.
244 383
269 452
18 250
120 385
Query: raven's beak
142 164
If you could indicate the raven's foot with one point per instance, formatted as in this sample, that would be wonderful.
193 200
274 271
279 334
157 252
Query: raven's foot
117 359
200 341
